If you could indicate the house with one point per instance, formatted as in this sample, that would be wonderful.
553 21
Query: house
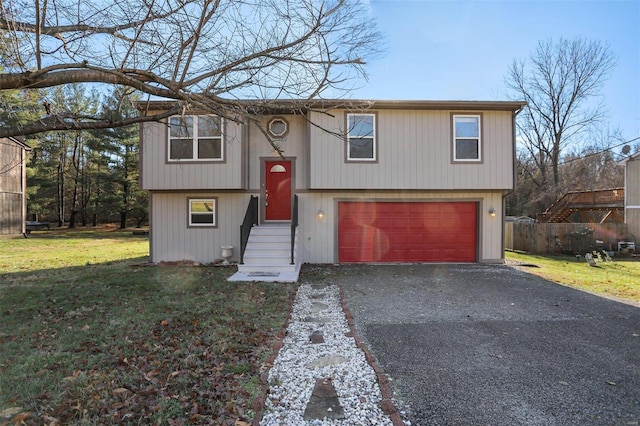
632 195
519 219
365 182
13 186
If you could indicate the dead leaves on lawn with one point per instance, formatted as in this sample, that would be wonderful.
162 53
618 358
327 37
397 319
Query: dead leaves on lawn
174 376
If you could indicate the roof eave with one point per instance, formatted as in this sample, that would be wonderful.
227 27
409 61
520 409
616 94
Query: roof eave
302 105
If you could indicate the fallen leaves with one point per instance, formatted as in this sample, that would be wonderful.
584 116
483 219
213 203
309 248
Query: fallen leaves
10 412
176 374
191 356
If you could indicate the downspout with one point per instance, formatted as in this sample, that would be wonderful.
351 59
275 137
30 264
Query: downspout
514 182
626 192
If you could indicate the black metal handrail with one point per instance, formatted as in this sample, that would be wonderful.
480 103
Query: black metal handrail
250 219
294 225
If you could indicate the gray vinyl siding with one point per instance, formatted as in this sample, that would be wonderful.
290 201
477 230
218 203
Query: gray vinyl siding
11 213
158 174
632 197
293 146
12 185
320 235
632 187
414 152
171 238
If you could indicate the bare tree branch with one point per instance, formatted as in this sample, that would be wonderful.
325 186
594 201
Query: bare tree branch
560 84
198 52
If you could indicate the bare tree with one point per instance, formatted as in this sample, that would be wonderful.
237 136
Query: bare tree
561 83
201 54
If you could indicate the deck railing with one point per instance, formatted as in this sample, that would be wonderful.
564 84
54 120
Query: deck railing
250 219
603 199
294 225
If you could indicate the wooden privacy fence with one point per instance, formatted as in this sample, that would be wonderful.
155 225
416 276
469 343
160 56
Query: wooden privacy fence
556 238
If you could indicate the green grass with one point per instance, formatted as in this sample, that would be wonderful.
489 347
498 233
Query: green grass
619 279
89 334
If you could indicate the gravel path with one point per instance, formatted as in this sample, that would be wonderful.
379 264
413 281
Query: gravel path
304 365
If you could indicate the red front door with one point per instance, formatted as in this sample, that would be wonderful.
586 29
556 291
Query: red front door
277 190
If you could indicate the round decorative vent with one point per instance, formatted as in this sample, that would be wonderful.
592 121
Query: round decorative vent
278 127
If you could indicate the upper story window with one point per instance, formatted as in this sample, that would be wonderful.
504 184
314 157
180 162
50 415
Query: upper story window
466 138
361 137
195 138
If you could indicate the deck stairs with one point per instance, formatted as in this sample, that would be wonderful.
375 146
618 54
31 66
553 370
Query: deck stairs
268 255
607 201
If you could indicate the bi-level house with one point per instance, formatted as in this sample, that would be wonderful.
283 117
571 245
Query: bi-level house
364 182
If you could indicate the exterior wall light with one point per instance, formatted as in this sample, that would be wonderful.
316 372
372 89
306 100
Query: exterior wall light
492 212
320 214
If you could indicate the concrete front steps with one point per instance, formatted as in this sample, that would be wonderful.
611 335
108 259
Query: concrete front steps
268 255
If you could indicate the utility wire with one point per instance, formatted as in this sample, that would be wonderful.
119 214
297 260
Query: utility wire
599 152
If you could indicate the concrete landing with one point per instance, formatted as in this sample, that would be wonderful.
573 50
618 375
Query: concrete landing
270 277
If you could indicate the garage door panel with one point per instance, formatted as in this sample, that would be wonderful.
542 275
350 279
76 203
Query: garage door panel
407 232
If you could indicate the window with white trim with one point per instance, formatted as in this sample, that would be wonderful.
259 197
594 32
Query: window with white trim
195 138
466 138
202 212
361 137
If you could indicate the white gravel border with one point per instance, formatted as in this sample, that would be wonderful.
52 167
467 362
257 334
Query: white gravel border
291 381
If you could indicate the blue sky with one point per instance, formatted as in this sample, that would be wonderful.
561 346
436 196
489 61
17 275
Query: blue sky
461 50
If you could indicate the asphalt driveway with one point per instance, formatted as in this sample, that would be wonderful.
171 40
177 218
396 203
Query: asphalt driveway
491 345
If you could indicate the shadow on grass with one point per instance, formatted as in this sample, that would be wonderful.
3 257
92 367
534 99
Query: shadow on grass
133 271
119 339
89 233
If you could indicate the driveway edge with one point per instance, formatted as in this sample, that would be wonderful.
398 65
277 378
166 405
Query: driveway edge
387 405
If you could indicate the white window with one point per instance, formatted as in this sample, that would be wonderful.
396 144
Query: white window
361 137
195 138
202 212
466 138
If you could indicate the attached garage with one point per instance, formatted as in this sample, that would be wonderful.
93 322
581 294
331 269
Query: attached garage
407 231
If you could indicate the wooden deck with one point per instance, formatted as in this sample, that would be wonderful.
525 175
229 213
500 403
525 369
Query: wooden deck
609 203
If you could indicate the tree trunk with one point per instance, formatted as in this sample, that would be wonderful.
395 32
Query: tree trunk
75 161
72 219
60 190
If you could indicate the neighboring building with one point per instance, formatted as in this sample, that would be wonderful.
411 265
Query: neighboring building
399 181
13 186
519 219
632 195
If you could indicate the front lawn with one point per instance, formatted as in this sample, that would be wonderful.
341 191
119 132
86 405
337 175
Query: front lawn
89 334
619 279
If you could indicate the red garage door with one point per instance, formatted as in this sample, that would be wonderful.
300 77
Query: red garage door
407 232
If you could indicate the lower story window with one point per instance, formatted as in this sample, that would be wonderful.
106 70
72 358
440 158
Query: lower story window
203 212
